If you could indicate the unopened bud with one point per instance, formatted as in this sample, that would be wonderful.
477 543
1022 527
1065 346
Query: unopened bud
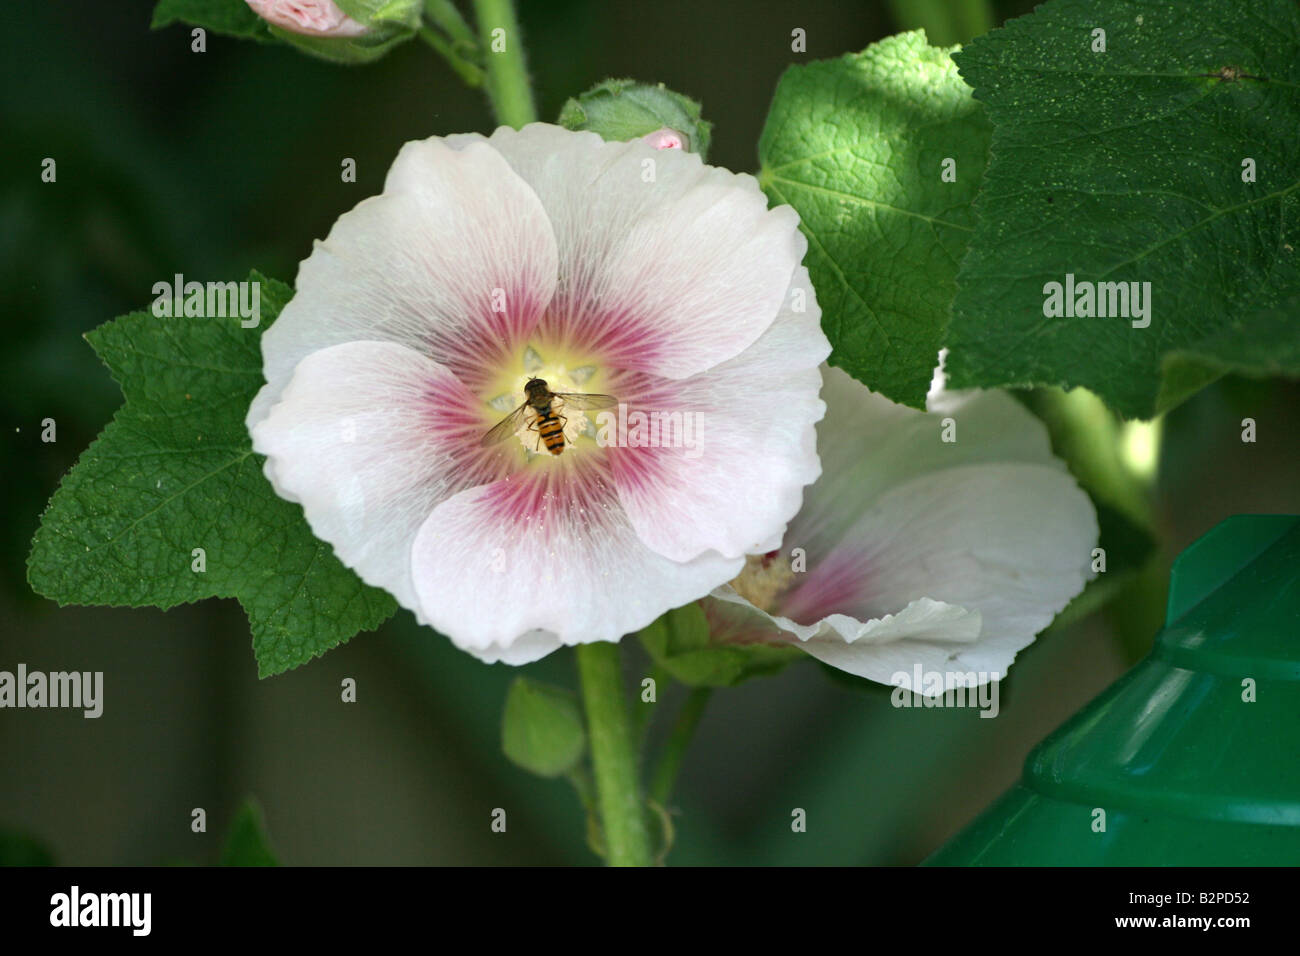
625 110
345 31
312 18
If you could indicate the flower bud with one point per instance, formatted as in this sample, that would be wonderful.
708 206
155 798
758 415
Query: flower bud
344 31
625 109
313 18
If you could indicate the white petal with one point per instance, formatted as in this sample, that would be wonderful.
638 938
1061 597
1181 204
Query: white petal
419 264
1009 542
870 444
670 276
1012 541
369 437
527 648
753 445
924 632
495 563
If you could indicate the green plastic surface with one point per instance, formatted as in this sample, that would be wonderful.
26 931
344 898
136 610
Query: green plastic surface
1193 756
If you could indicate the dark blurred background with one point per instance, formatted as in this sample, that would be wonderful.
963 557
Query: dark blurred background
211 164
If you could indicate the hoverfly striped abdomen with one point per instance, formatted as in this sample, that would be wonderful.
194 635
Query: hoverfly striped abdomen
552 431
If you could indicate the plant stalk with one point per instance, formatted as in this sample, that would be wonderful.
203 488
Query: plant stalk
503 55
679 739
613 756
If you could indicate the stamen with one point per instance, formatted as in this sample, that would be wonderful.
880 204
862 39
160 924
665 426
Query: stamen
764 578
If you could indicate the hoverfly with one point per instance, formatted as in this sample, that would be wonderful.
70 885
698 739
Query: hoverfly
548 424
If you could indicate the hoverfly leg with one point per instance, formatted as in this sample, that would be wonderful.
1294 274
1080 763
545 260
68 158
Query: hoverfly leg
532 427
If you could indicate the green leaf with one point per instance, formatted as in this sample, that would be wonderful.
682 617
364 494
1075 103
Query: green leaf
857 145
1126 166
1260 344
246 844
230 17
679 642
541 729
175 471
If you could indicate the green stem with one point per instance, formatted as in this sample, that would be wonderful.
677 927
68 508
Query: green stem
507 76
444 15
471 73
641 711
613 756
670 760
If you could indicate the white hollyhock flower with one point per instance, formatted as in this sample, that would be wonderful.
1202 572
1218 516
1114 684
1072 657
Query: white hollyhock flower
913 551
613 268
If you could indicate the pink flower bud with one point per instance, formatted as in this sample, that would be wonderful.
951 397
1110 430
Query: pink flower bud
665 139
313 18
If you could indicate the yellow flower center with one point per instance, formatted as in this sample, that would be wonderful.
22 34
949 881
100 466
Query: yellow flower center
562 372
763 579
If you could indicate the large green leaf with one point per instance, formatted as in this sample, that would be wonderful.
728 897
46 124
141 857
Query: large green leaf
175 471
1127 166
858 146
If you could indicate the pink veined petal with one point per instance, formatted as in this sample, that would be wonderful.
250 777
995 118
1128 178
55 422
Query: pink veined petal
1010 542
752 423
832 584
455 260
369 437
669 276
546 551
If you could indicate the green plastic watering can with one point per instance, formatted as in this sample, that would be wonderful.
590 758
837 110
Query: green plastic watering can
1192 757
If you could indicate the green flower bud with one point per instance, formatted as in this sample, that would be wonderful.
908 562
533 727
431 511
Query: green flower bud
626 109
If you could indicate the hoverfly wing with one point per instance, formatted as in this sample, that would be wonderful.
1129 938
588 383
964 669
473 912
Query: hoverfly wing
586 401
506 427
